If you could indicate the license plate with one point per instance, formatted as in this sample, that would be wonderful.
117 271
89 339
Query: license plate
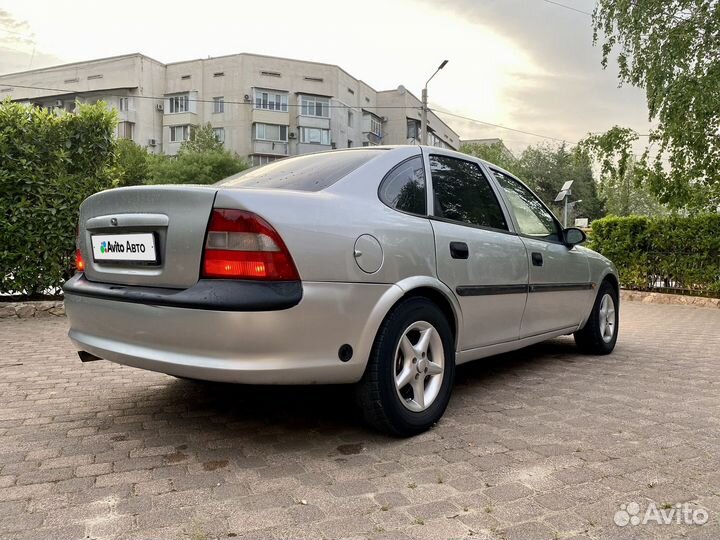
138 247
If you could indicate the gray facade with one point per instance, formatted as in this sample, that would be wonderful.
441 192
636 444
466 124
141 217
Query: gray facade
260 106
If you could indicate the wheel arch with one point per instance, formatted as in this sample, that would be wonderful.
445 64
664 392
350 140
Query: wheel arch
416 286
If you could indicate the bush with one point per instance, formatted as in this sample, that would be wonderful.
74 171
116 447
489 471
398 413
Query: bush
50 164
133 167
201 160
673 253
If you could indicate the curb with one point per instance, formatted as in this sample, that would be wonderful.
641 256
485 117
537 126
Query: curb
664 298
30 310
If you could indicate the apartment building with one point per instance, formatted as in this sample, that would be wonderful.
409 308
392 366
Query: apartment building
259 106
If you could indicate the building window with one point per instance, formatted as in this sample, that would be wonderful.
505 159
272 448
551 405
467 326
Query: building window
271 100
314 135
219 104
350 118
262 160
413 129
219 74
219 134
315 106
179 133
179 103
271 132
126 130
124 104
376 126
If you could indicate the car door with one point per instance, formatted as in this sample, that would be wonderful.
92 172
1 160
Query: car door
478 255
559 275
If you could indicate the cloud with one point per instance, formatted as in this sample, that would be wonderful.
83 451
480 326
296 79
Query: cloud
572 94
18 50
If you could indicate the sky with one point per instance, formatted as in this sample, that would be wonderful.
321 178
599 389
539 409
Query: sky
529 65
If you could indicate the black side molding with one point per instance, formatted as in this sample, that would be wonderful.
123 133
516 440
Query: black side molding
208 294
484 290
553 287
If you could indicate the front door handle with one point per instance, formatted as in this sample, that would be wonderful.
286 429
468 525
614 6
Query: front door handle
459 250
537 259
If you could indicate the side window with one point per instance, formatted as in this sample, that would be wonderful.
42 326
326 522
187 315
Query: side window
532 217
404 187
462 193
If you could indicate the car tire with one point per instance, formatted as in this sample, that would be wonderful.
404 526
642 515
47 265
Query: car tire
600 332
397 355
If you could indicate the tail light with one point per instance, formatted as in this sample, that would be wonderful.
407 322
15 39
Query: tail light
79 261
242 245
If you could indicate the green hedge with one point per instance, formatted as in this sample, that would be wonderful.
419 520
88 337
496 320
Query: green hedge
674 254
49 163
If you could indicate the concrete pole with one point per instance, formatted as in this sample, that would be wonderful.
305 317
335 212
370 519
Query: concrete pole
423 121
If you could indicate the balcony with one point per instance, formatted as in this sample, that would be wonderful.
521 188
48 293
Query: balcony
308 148
262 116
279 148
179 119
313 121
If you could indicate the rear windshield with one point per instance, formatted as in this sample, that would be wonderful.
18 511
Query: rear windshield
312 172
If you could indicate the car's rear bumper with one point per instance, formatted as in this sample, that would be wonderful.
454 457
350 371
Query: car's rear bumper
298 345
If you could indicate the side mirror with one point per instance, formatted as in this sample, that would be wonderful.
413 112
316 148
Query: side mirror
574 236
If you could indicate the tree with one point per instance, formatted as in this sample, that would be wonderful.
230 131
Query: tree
202 139
621 176
133 166
671 49
546 168
50 164
496 153
201 160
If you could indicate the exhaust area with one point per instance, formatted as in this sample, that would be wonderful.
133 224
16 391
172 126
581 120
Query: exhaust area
87 357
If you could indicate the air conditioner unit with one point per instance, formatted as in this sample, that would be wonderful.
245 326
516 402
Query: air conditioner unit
247 97
59 103
291 136
159 107
152 142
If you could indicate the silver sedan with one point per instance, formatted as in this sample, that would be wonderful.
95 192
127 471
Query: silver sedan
384 267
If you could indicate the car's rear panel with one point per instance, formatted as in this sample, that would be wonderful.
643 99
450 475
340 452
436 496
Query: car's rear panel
176 215
169 315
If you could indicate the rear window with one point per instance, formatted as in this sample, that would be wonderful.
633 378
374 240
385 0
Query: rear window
313 172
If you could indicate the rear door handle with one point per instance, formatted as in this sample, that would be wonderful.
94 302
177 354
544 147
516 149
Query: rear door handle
459 250
537 259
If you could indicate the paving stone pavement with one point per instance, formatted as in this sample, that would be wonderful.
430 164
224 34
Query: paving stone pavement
541 443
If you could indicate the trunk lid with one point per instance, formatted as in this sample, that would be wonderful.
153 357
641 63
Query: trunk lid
176 218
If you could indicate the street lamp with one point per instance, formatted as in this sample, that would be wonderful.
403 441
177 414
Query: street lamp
423 122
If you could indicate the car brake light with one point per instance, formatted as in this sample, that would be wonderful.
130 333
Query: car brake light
79 262
242 245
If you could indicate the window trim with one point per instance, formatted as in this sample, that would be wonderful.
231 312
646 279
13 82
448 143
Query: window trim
279 126
302 131
509 221
183 97
262 90
561 241
218 105
170 138
315 98
426 215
